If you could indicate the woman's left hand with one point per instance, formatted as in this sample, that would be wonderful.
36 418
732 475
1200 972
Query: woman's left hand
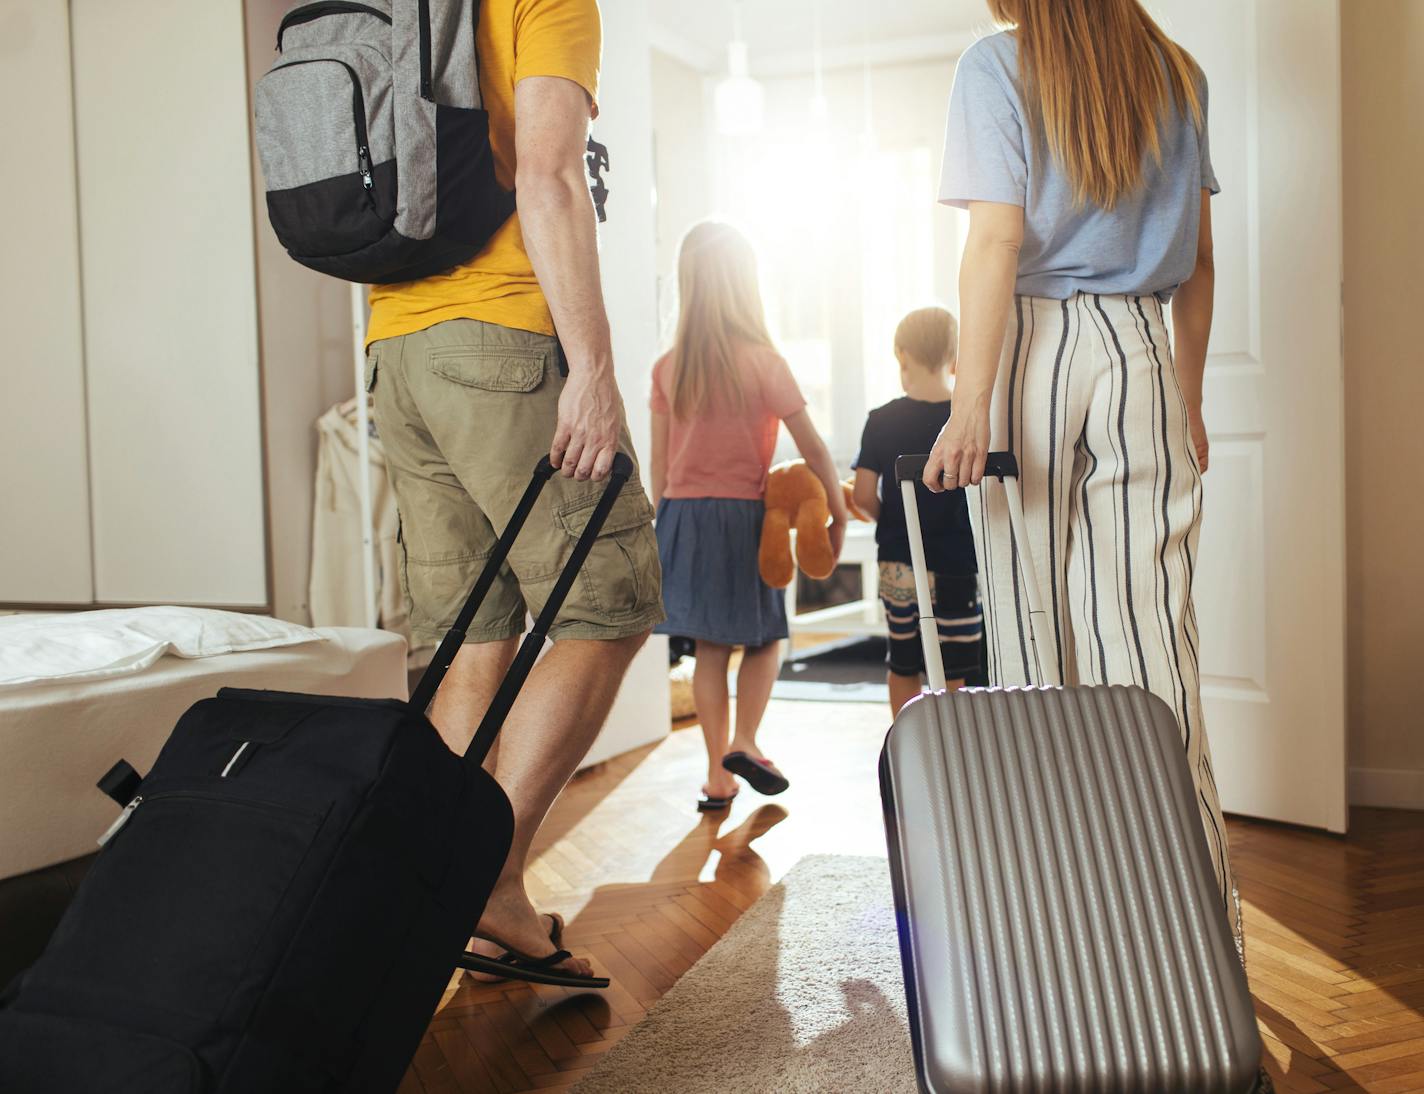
962 446
1200 442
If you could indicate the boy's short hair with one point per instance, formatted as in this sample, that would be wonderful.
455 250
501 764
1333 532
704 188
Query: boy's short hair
930 336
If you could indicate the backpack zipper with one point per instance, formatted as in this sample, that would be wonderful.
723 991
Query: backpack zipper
358 118
308 12
423 24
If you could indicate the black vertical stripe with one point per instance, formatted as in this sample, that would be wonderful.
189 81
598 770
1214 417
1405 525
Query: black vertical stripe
1013 407
1106 410
1053 462
1187 727
1066 496
1157 595
1219 838
1093 565
1126 509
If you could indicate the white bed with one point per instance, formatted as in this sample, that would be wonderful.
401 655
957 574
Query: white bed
56 740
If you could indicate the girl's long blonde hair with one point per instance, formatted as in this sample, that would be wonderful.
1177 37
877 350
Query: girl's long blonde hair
1099 77
719 305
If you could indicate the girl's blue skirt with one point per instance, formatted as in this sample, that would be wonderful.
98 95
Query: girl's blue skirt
711 587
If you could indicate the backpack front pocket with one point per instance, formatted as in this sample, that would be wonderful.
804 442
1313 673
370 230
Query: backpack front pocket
324 137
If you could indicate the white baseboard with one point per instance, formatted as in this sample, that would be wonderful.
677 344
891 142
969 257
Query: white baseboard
1386 788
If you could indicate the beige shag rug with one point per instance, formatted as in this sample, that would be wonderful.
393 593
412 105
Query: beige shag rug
804 993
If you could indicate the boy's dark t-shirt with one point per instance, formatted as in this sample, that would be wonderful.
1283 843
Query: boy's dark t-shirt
898 428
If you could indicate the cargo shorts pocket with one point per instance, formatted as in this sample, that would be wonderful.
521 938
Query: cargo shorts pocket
491 368
621 578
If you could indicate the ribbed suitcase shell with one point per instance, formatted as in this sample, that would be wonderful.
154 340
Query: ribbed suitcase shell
1060 923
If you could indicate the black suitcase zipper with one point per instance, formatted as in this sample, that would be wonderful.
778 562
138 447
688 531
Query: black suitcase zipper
200 795
358 117
308 12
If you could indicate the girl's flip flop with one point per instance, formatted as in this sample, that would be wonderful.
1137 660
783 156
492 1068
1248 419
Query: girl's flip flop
514 965
709 804
761 775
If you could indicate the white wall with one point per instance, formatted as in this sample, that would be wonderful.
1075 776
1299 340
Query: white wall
629 263
682 164
44 478
306 347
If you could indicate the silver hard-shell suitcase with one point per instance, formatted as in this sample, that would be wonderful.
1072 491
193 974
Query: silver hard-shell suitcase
1060 924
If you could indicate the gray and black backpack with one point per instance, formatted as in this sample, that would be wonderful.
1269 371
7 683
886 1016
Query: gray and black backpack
374 140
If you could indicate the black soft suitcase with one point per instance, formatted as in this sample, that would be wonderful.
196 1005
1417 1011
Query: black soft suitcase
1060 926
285 895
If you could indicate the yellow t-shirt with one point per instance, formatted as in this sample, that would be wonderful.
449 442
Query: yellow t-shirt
516 38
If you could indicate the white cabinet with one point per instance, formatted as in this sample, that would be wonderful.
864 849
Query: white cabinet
164 359
170 306
44 491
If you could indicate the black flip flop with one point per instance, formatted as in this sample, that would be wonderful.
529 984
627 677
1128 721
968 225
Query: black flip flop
761 775
514 965
709 804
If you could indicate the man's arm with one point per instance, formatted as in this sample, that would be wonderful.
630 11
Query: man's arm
551 118
1191 323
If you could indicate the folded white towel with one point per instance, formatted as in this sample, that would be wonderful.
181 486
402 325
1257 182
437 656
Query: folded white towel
48 648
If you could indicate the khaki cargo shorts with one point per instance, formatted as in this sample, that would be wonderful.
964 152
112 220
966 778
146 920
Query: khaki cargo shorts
465 410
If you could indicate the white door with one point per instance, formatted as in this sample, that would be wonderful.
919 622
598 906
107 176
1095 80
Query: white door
1270 587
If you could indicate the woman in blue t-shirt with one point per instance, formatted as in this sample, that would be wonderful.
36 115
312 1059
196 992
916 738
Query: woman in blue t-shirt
1078 142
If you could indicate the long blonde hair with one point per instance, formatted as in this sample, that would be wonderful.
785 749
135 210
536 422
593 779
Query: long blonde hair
719 305
1098 89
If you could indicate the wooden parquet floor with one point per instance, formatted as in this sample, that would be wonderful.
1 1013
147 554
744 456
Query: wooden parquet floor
1335 927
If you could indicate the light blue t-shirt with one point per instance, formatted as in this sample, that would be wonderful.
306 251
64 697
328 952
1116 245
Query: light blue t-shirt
1146 244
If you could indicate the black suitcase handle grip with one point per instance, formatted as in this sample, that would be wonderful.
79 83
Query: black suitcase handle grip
499 708
998 465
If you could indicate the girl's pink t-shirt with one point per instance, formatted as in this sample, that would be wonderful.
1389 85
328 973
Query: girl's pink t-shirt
725 454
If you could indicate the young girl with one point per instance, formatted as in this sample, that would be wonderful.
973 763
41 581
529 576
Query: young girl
718 399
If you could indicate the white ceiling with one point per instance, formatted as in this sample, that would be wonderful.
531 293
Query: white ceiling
780 32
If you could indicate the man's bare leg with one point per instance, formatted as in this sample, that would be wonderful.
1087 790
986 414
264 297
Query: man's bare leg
467 690
559 713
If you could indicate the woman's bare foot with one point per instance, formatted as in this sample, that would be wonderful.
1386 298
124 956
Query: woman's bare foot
510 918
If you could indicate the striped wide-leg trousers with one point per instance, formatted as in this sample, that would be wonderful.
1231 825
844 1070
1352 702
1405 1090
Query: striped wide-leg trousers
1087 399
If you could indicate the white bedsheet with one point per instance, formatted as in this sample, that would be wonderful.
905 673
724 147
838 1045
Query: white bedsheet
57 740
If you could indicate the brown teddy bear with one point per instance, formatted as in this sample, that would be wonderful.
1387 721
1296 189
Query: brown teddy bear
795 498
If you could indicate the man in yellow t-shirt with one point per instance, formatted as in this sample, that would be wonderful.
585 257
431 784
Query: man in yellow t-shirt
470 389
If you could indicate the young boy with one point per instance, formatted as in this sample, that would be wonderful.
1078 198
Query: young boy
926 346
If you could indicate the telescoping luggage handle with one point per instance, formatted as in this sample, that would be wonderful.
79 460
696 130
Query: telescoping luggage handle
1004 467
528 653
